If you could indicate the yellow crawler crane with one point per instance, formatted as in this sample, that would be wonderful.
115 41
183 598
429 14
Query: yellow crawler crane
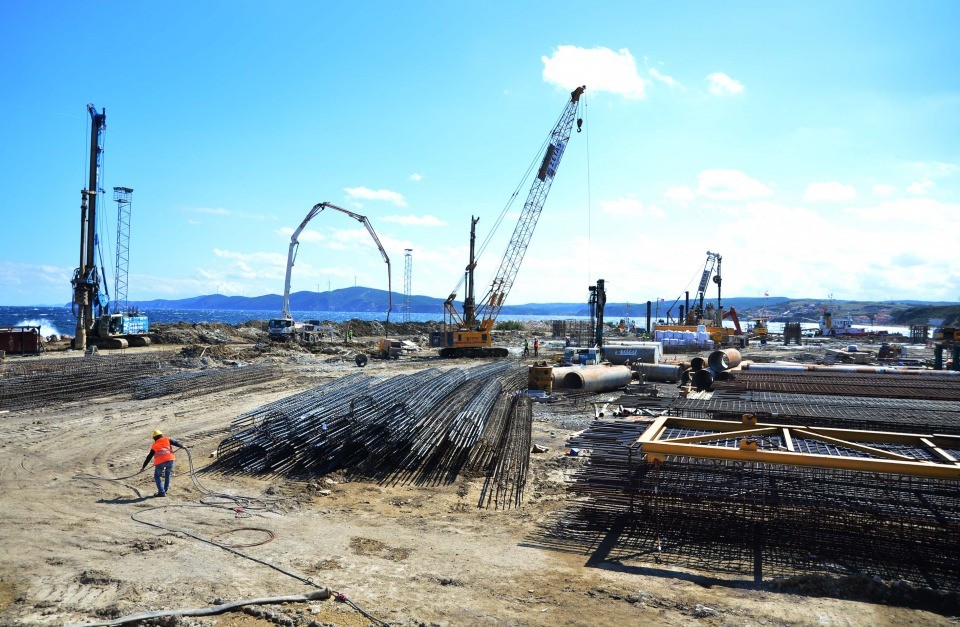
468 334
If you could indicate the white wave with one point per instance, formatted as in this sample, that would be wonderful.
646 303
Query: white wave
46 327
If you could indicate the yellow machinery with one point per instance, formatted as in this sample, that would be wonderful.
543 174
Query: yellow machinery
469 334
711 318
750 441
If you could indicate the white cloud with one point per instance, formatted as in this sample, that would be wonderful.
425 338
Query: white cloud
630 207
921 189
884 191
365 193
601 69
192 221
426 220
307 235
256 258
936 169
27 276
723 85
829 192
218 211
729 185
663 78
681 194
945 215
416 177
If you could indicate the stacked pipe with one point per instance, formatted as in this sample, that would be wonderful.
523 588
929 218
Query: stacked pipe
194 383
764 519
426 426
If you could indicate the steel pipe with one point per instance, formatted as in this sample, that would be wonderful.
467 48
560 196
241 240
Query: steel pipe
663 373
702 379
724 359
790 367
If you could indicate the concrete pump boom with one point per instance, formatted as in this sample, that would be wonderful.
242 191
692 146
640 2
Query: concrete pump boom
295 245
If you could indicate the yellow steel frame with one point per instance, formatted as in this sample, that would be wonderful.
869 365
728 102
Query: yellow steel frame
656 447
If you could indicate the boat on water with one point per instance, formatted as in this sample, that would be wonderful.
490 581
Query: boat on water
831 325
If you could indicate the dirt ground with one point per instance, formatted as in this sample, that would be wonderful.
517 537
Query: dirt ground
72 553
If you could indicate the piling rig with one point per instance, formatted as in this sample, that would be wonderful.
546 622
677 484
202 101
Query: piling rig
95 321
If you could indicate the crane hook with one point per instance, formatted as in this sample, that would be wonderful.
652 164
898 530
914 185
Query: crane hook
579 124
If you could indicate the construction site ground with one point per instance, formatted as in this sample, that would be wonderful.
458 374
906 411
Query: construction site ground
407 554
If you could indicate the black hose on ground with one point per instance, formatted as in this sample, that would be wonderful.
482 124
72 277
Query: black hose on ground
239 501
316 595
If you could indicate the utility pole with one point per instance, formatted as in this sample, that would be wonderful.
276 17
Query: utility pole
407 282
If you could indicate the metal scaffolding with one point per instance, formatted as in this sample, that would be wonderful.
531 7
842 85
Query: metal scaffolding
123 196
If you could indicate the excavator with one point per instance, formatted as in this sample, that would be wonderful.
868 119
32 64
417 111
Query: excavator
286 328
469 334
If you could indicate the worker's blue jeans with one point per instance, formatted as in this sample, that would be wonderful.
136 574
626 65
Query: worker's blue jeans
163 469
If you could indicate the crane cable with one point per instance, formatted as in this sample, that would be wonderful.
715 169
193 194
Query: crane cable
534 164
589 193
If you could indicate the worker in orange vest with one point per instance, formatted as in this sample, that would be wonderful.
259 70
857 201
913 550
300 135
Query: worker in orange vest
162 453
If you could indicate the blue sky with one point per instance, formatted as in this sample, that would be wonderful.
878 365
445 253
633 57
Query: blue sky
814 145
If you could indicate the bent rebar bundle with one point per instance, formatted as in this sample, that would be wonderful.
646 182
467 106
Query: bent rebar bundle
424 427
744 517
193 383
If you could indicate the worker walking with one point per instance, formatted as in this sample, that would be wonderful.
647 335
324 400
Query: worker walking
162 453
526 347
536 347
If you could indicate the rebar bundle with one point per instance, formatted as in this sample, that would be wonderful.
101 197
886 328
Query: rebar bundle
913 386
43 383
504 486
743 517
855 412
193 383
422 427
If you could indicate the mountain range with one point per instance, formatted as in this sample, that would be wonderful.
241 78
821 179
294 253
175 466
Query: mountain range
366 299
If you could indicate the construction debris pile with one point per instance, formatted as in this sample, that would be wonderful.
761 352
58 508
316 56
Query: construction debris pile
425 428
827 513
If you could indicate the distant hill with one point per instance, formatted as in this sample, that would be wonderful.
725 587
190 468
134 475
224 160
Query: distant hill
923 313
366 299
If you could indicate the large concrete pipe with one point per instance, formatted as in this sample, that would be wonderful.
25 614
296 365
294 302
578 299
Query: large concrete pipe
659 372
788 367
595 378
724 359
702 379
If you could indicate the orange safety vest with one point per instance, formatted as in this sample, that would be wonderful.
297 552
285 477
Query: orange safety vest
162 451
